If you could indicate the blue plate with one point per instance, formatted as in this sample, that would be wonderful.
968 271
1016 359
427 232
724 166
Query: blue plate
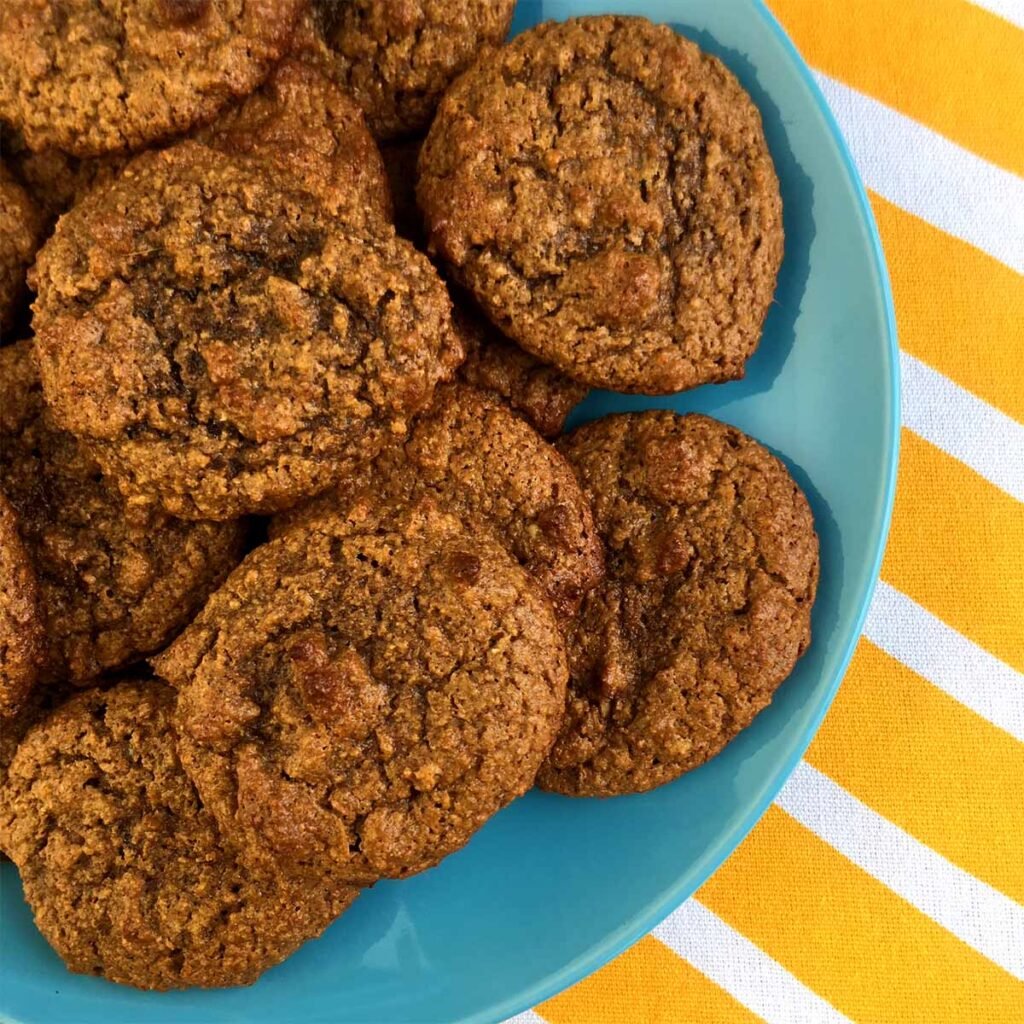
554 887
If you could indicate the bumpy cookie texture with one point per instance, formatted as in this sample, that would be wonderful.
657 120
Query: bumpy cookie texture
542 394
364 693
40 702
222 344
605 191
20 230
313 134
92 77
476 458
21 619
125 870
397 57
712 569
115 581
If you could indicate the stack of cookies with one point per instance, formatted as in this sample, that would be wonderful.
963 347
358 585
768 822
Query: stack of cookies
301 580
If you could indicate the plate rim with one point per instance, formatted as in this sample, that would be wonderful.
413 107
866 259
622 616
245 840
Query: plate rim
648 918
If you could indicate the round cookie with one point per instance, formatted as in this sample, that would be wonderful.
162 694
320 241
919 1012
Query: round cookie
314 135
397 57
363 693
115 581
712 569
20 230
605 191
91 77
542 394
479 460
21 620
125 871
222 344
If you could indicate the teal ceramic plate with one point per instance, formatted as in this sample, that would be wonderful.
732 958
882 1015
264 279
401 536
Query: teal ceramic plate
553 887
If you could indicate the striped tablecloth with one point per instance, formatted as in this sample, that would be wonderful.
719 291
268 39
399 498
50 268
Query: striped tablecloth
886 884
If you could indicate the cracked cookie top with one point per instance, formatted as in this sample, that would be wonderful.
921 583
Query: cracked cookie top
126 872
312 133
94 77
397 57
478 459
222 344
712 569
604 190
366 690
115 581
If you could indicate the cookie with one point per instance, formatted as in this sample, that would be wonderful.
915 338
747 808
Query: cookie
222 344
540 393
125 871
604 190
479 460
92 78
21 619
115 581
363 693
712 569
314 135
20 233
397 57
39 703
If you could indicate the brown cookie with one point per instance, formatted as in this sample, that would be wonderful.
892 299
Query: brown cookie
115 581
604 190
480 461
92 78
362 694
397 57
222 343
314 135
21 617
21 228
540 393
712 571
125 871
39 703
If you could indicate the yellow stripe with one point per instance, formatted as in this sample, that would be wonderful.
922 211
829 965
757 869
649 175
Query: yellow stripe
945 63
647 983
929 765
848 938
957 547
958 310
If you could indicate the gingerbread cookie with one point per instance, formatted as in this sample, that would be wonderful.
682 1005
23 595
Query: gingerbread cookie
365 691
604 190
712 569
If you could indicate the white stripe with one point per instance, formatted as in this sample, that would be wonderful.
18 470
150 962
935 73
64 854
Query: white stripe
974 912
744 970
963 425
929 176
526 1017
911 634
1011 10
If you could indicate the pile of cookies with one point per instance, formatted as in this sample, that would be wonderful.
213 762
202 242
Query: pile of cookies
301 580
